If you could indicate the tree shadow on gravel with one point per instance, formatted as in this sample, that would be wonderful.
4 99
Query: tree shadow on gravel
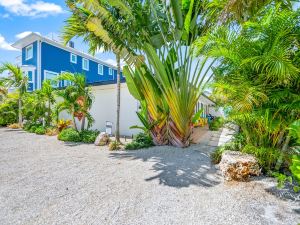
176 167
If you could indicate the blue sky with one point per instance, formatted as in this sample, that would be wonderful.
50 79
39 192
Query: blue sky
19 17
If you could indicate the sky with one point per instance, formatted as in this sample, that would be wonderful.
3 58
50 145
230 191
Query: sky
20 17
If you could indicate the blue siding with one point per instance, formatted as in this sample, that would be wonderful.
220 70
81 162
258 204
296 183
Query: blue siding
31 62
56 60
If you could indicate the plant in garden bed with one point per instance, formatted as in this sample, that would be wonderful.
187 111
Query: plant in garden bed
142 140
9 109
216 123
88 136
69 134
114 145
14 126
40 130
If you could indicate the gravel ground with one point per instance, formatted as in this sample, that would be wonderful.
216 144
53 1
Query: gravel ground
45 181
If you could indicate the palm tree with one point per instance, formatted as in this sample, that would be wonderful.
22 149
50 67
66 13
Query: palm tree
47 92
77 99
258 78
82 23
15 79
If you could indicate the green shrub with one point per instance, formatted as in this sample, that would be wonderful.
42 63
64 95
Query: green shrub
40 130
216 124
9 110
69 134
89 136
33 128
113 146
142 140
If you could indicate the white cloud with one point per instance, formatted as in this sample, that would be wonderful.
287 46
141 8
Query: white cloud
24 34
6 46
37 9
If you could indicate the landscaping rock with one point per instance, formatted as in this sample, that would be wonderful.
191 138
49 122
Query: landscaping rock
238 166
102 139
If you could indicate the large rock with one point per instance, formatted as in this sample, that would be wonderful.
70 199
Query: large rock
102 139
238 166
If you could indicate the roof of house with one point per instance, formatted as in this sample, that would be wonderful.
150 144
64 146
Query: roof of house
32 37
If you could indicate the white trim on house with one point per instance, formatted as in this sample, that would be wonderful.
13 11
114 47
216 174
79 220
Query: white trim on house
39 65
110 71
71 58
87 68
100 69
45 76
27 57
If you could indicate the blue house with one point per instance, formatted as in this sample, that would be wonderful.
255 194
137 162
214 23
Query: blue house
44 59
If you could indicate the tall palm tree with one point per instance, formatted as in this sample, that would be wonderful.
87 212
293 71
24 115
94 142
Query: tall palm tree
81 24
16 79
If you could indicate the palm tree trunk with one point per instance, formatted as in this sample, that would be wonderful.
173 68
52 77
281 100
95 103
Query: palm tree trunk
118 98
49 113
83 123
20 111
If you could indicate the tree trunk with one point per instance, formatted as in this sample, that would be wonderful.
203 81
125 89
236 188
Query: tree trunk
20 112
118 98
83 123
49 114
75 127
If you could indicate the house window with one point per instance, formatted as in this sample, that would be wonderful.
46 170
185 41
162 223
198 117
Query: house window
73 58
110 71
29 52
85 64
100 69
30 76
49 75
65 83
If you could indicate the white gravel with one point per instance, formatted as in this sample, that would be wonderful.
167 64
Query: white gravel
45 181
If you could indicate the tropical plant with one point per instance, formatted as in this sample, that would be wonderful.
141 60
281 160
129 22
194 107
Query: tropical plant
89 136
142 140
47 92
70 135
9 109
77 99
16 79
63 124
163 31
83 22
258 80
113 146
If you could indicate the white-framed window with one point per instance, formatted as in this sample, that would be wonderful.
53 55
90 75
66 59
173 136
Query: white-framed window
73 58
110 72
100 69
30 76
65 83
49 75
29 52
85 64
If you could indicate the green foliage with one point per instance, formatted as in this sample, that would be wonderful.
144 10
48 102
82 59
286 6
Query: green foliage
216 124
267 157
115 145
77 99
69 134
89 136
40 130
9 110
142 140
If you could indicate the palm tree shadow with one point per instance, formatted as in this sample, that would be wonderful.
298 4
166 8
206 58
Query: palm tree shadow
176 167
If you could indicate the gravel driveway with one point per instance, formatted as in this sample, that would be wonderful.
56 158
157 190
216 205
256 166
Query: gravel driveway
45 181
